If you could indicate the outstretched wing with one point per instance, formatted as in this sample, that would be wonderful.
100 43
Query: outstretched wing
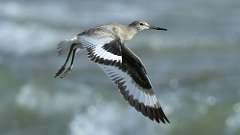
127 71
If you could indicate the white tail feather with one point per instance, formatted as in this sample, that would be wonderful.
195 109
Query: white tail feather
63 46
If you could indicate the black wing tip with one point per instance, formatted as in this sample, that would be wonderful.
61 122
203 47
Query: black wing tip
161 116
162 119
155 114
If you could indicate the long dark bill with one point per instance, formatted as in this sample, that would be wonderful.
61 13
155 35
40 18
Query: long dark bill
158 28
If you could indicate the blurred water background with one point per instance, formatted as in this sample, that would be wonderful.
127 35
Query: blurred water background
194 67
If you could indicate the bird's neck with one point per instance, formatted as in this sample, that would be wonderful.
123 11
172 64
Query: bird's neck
131 32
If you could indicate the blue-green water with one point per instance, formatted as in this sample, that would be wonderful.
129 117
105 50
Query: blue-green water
194 67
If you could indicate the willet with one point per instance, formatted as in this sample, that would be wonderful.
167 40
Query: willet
105 46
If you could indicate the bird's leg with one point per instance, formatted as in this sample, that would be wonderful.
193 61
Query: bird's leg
71 64
60 71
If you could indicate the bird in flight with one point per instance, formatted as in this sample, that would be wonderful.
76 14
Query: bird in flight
105 46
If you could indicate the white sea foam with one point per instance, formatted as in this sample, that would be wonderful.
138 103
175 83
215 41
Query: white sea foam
233 121
101 120
29 38
40 100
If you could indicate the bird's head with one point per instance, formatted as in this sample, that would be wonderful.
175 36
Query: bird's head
144 25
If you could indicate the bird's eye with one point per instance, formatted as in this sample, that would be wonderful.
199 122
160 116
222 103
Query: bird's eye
141 23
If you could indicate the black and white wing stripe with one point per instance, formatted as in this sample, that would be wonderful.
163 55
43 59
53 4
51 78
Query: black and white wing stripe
102 50
127 71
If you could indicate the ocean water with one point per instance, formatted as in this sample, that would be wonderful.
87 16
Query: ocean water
194 67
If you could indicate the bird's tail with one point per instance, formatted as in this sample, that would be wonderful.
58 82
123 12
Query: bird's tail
63 46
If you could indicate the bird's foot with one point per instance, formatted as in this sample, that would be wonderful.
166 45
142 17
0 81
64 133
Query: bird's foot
60 71
68 70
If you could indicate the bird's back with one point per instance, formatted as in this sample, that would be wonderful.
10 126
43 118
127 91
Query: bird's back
113 30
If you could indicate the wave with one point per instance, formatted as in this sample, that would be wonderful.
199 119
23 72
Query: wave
29 29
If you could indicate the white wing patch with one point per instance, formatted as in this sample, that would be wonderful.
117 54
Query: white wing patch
102 53
96 44
130 86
